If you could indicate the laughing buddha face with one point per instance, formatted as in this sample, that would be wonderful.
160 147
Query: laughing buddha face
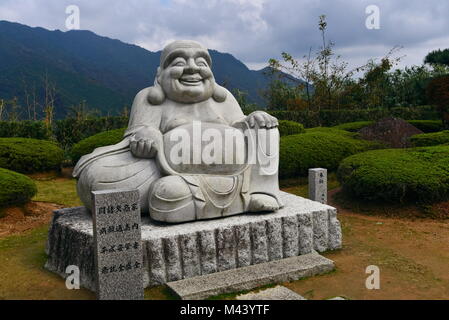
186 75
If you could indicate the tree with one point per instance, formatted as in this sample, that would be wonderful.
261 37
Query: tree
2 108
242 100
438 57
438 95
325 72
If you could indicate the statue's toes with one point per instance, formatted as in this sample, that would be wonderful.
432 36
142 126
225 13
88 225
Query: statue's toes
263 203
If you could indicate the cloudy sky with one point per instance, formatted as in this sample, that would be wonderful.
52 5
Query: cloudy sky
253 30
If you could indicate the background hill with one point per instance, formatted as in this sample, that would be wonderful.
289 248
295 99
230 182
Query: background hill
105 73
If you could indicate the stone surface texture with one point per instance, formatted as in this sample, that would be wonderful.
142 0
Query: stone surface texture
174 252
318 185
117 245
276 293
250 277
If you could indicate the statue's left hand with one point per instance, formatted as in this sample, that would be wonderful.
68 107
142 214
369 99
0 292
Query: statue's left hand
262 119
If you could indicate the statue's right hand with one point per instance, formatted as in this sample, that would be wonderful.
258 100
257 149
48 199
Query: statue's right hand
142 148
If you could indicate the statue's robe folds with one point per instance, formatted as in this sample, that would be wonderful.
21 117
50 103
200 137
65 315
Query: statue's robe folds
213 190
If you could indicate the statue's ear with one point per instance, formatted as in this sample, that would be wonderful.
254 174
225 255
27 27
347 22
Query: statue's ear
219 94
155 93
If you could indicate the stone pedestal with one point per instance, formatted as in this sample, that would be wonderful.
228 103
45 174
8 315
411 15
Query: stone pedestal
174 252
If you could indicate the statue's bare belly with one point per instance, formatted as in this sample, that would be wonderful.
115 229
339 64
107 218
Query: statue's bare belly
205 148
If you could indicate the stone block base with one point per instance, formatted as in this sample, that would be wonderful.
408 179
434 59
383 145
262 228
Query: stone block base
174 252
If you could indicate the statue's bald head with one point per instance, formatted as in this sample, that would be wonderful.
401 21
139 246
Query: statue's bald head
185 75
174 47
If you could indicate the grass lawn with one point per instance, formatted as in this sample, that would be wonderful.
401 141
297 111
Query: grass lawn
59 190
411 253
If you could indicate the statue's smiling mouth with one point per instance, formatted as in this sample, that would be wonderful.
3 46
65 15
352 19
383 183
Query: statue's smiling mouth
191 80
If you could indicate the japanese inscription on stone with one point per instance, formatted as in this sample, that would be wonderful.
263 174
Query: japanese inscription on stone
318 185
117 244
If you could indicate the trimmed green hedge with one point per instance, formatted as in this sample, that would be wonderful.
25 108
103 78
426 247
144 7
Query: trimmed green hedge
88 145
427 126
319 147
287 128
15 188
334 117
430 139
423 125
331 130
419 174
29 155
353 126
70 131
25 129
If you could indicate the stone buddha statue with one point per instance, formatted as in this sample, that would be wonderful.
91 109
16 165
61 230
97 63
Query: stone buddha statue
189 150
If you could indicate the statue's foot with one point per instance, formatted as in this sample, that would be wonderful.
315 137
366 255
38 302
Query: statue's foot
263 202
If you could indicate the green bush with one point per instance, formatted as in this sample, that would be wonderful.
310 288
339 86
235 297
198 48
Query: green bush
25 129
427 126
318 147
88 145
70 131
353 126
331 130
15 188
288 128
430 139
417 174
423 125
29 155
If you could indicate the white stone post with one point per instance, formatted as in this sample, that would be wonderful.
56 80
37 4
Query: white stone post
318 185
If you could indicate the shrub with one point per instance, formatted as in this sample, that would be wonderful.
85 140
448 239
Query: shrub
29 155
423 125
318 147
353 126
430 139
333 117
288 128
420 174
25 129
331 130
15 188
88 145
70 131
427 126
438 95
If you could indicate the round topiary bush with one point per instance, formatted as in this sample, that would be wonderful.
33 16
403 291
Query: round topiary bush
101 139
288 128
15 188
430 139
353 126
29 155
420 174
317 148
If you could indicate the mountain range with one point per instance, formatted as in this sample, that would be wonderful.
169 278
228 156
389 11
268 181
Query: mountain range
103 72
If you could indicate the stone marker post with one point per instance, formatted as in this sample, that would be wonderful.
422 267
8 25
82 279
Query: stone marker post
318 185
117 244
